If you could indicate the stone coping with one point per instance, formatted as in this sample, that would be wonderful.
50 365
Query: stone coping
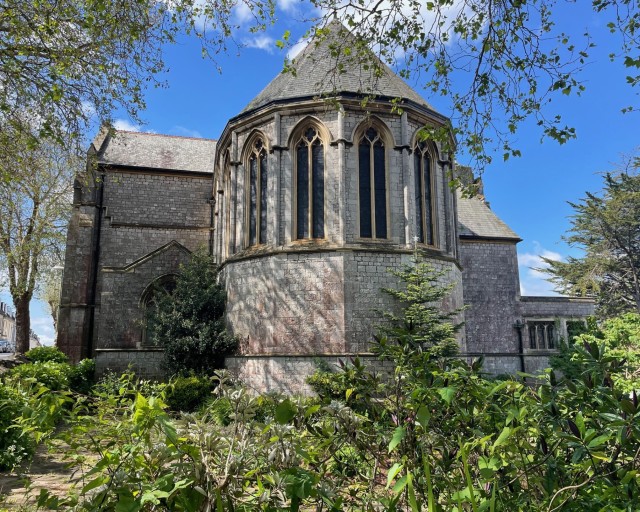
534 298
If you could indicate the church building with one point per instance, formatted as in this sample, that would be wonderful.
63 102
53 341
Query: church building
311 194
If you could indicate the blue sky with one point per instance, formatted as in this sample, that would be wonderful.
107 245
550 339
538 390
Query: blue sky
529 193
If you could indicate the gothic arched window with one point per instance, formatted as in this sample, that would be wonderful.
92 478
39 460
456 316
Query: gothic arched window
372 185
310 185
424 196
257 194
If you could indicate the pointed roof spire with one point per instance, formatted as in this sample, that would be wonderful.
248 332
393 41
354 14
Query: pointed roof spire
335 62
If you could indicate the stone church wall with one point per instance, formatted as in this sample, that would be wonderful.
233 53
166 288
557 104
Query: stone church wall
142 212
491 291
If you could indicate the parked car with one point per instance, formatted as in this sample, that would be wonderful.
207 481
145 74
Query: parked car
5 347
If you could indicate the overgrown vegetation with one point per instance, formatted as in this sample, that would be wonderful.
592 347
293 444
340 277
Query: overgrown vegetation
433 435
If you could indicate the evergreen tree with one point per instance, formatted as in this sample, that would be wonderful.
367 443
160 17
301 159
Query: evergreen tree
188 319
607 228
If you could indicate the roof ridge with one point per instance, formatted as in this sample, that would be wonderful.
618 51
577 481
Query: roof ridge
165 135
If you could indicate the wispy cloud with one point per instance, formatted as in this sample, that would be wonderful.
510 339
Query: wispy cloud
295 50
126 125
185 132
43 327
532 281
261 42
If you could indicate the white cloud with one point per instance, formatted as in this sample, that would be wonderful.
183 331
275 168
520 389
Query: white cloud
261 42
125 125
43 327
295 50
88 109
288 5
242 13
532 281
185 132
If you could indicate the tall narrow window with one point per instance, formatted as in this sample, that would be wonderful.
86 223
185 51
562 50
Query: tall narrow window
372 186
258 194
310 185
423 194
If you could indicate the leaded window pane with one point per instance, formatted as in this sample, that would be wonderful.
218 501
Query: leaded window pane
302 176
263 198
380 184
365 189
253 178
428 211
417 173
318 190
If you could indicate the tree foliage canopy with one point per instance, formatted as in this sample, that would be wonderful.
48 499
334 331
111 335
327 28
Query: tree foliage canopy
64 61
498 63
607 228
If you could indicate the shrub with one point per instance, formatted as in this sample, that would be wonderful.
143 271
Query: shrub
43 354
53 375
81 376
186 394
15 444
189 323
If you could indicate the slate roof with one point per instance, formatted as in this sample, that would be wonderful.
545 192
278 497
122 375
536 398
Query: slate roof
316 75
151 150
476 220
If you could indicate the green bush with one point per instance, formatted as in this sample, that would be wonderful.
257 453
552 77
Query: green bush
186 394
188 322
15 444
81 376
43 354
54 376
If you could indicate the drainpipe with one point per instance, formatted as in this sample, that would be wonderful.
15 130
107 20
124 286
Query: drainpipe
519 325
94 276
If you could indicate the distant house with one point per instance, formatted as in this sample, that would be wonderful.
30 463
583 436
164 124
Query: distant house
305 204
7 329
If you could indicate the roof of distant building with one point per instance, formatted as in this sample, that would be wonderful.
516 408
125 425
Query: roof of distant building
326 68
151 150
476 220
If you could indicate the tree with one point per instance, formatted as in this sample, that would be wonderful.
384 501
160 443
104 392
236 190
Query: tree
498 62
34 205
186 319
66 61
607 229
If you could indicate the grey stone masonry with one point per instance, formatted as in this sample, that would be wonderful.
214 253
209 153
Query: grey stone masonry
130 226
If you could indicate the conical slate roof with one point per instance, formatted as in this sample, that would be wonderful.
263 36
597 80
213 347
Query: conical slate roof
316 73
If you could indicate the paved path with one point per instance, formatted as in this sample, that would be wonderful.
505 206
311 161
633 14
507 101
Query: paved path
47 471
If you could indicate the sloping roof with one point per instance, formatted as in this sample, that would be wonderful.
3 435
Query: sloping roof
151 150
476 220
316 73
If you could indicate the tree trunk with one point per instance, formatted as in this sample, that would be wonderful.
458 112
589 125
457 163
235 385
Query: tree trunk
23 323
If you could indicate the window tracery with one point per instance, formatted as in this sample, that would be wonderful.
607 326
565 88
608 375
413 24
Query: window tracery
257 210
424 195
372 185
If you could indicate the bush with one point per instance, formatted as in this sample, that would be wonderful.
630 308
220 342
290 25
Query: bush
15 444
186 394
54 376
81 376
43 354
189 322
